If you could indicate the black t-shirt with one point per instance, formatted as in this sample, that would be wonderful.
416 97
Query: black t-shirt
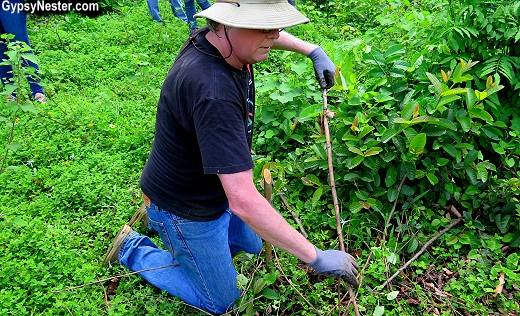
203 127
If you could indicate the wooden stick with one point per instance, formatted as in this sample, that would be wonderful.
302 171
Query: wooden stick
423 249
268 194
326 114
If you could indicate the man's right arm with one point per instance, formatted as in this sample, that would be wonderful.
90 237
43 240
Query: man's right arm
247 203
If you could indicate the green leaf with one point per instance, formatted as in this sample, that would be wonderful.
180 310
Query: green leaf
481 114
14 146
432 178
482 172
408 110
28 107
379 310
366 130
259 285
452 240
355 207
409 169
452 151
442 162
503 222
488 165
356 161
444 123
400 143
351 177
417 144
389 134
311 111
472 176
392 194
392 295
19 222
373 151
465 123
320 151
436 83
447 99
393 50
298 138
470 157
312 180
355 150
412 246
316 196
498 149
471 98
391 176
453 92
270 294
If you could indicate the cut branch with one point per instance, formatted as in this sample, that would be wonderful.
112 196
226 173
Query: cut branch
423 249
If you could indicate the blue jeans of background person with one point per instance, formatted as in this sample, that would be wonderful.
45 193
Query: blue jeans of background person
205 276
176 5
191 10
16 23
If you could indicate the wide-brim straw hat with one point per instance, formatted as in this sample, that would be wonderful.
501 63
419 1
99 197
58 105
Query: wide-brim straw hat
254 14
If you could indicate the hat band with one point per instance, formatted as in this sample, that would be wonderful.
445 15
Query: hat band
229 1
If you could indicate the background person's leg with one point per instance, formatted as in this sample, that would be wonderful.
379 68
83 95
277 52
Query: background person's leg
178 10
6 72
16 23
153 8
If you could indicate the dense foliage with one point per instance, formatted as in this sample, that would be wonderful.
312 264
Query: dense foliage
426 129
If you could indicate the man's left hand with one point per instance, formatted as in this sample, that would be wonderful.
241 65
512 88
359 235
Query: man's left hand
323 67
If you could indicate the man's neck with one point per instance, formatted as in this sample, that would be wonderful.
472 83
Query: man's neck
222 44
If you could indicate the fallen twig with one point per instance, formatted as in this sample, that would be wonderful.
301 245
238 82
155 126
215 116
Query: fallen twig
296 219
277 262
395 204
110 278
423 249
104 291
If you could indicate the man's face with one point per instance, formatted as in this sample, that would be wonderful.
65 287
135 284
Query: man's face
251 46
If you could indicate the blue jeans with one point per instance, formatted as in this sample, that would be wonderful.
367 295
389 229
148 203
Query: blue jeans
191 10
205 276
16 23
176 5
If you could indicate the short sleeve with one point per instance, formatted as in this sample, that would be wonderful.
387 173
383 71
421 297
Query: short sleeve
221 130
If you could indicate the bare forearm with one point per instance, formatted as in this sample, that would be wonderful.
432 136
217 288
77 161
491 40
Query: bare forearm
289 42
247 203
273 228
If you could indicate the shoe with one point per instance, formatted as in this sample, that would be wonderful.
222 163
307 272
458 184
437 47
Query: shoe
40 97
140 216
112 254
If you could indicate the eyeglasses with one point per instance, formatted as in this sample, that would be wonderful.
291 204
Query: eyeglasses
269 31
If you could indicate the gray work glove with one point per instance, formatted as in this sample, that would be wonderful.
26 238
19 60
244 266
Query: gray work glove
324 68
336 264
